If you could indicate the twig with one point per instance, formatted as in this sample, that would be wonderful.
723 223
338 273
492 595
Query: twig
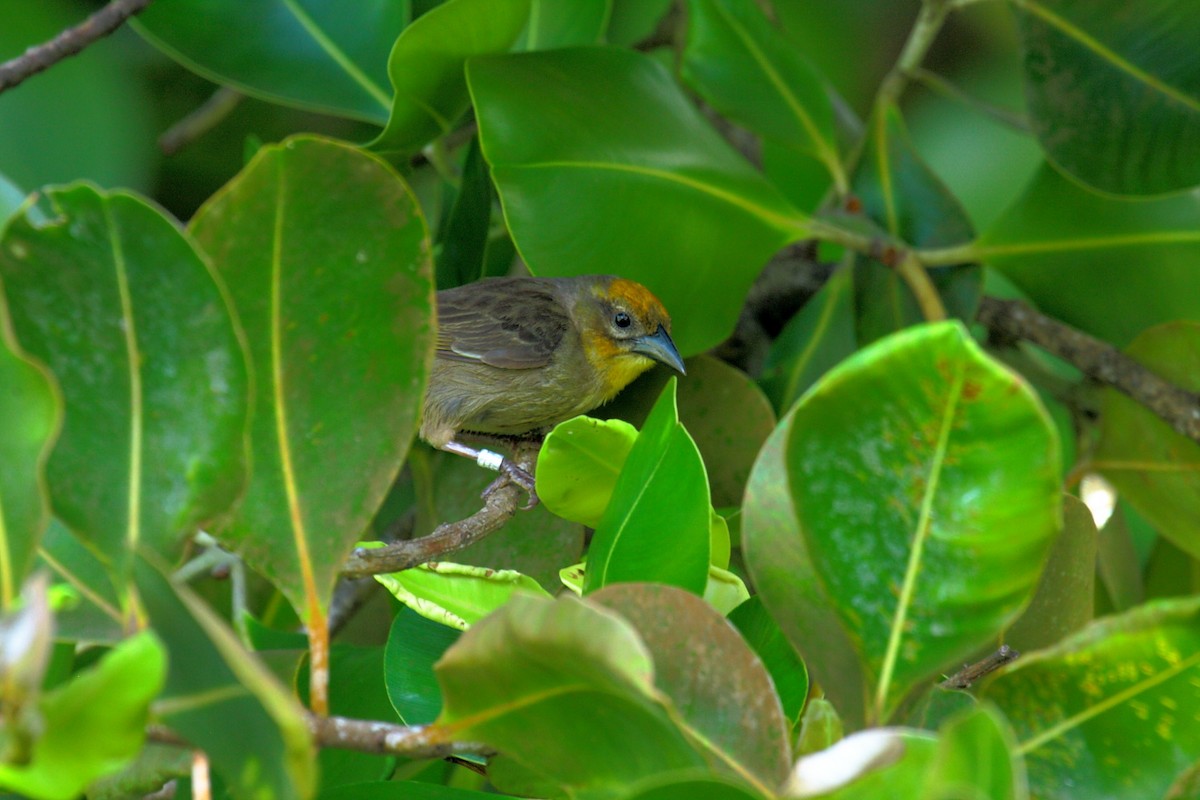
384 738
69 42
200 121
498 508
351 594
1098 360
971 673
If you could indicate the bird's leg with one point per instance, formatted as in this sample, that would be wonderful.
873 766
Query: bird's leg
494 461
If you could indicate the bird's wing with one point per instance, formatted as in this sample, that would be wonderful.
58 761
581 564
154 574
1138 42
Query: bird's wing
507 324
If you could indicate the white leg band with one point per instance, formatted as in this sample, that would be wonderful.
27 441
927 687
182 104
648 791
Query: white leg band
489 460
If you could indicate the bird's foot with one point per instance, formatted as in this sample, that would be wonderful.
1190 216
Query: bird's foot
511 473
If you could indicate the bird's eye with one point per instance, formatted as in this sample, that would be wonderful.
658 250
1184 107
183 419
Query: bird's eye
622 320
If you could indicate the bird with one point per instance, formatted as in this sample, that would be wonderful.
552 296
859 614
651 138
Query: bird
515 356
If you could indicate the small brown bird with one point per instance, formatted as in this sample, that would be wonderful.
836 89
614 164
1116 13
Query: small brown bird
519 355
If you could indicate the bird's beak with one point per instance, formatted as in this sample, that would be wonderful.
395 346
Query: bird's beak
660 347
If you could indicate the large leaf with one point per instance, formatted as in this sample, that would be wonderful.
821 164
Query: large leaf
604 142
314 54
92 725
749 72
327 260
1111 711
718 685
1113 90
414 645
662 489
975 759
787 671
222 699
108 293
902 195
924 478
30 416
455 594
522 679
95 614
1154 468
1058 237
578 466
426 66
553 23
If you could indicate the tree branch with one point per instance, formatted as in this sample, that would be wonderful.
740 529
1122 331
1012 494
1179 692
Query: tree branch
1098 360
384 738
498 508
69 42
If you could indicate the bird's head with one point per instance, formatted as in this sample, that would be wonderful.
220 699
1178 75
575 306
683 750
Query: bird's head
625 330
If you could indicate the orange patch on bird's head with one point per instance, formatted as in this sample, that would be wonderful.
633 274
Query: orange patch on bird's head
623 312
637 299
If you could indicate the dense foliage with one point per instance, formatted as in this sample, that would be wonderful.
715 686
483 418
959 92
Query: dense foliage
745 583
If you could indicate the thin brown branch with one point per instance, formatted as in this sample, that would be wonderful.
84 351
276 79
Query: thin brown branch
1098 360
384 738
69 42
971 673
200 121
498 508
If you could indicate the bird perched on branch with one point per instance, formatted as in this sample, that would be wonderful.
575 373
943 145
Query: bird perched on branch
519 355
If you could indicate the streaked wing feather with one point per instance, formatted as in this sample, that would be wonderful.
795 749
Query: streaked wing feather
511 324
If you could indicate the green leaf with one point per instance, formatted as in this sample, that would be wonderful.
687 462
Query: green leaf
748 71
151 368
1152 467
634 20
881 762
718 686
924 479
662 487
414 645
1114 90
457 595
682 786
975 758
1066 593
585 136
401 790
96 615
1111 711
1058 237
462 237
222 699
94 724
327 260
787 670
821 727
553 23
11 199
522 679
578 465
816 339
1117 562
426 67
902 194
30 417
307 53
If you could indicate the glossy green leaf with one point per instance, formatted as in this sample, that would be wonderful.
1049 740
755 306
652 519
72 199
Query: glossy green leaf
782 661
938 706
222 699
820 727
724 590
720 689
457 595
93 724
1066 593
662 489
1111 711
11 199
357 692
578 465
402 790
633 20
975 759
414 645
1152 467
553 23
95 616
108 294
817 338
30 416
586 136
426 66
924 478
522 679
1117 562
748 71
908 201
1114 90
1058 237
881 762
534 542
327 261
683 786
313 54
462 236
